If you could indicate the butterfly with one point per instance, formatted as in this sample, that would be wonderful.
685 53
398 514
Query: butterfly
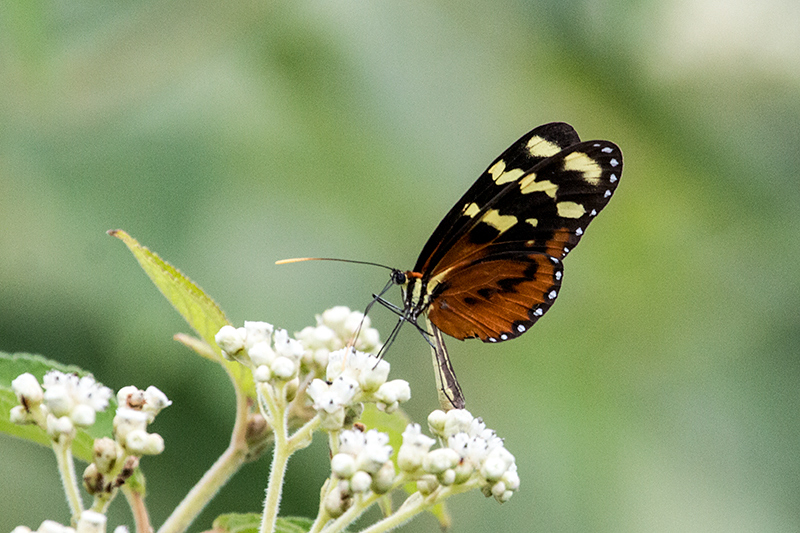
494 264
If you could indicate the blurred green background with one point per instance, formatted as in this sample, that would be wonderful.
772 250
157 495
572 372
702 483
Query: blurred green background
662 393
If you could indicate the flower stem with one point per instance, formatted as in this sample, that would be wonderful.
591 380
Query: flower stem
140 516
66 467
280 457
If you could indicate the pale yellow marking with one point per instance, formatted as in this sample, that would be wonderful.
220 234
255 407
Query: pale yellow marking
498 221
497 169
529 185
570 210
500 176
585 164
508 177
471 210
539 147
532 221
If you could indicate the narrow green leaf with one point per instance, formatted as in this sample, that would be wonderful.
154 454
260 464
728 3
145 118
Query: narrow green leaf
251 522
11 366
194 305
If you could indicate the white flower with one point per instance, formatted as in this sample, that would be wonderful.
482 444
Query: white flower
287 347
27 389
261 354
330 400
73 396
390 394
414 448
127 420
155 401
343 465
57 426
91 522
367 369
256 332
439 460
334 330
49 526
230 340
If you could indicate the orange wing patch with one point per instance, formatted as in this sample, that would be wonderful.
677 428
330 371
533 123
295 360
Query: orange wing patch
496 299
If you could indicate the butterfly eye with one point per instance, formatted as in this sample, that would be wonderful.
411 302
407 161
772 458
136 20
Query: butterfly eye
398 277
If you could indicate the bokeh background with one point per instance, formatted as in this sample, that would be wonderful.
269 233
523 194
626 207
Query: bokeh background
662 393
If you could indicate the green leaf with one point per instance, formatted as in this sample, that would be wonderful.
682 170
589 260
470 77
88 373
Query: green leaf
11 366
194 305
250 523
199 311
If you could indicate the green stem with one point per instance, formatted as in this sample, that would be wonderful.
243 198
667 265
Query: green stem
280 458
66 467
407 512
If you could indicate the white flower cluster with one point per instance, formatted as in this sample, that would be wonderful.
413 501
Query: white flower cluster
138 408
352 378
271 354
88 522
335 328
67 401
473 453
362 463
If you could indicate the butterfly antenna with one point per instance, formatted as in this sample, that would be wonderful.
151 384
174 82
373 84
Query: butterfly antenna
301 259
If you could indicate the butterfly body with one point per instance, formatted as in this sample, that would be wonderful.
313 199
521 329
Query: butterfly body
493 266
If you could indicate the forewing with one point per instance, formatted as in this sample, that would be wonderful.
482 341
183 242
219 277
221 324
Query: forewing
545 210
527 152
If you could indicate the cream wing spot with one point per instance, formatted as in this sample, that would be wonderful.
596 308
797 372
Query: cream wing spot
497 169
498 221
471 210
581 162
570 210
539 147
529 185
509 176
532 221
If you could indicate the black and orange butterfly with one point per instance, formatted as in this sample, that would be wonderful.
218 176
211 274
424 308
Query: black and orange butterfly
493 266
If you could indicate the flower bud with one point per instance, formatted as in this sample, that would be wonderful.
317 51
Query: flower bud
27 389
59 426
257 332
343 465
262 354
283 368
58 400
382 480
427 484
105 454
439 460
230 340
91 522
83 415
360 482
49 526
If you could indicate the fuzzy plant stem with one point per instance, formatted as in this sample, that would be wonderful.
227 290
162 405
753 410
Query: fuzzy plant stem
66 467
276 406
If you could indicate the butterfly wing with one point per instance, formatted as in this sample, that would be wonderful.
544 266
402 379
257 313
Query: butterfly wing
528 151
501 269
